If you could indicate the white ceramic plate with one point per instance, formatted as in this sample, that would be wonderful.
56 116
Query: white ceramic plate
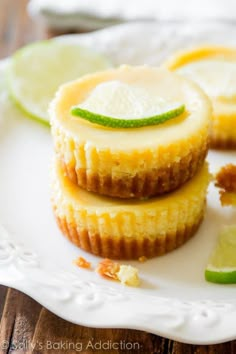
174 300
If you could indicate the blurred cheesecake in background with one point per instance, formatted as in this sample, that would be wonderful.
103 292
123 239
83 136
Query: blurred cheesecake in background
213 68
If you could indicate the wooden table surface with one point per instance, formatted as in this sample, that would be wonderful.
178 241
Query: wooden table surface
25 326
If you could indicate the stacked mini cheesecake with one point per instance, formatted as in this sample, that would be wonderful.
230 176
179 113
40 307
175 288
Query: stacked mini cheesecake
121 192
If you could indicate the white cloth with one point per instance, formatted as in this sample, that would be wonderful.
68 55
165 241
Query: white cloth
92 14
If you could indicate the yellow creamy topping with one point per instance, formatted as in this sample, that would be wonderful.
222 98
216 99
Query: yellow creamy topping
148 85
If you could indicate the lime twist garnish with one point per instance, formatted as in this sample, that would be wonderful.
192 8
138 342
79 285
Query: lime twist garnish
37 70
117 105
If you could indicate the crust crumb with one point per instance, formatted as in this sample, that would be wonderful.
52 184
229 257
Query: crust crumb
225 179
227 198
142 259
108 269
82 263
126 274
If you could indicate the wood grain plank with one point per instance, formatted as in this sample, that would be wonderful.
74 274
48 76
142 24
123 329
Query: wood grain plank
3 293
51 331
18 320
4 6
17 28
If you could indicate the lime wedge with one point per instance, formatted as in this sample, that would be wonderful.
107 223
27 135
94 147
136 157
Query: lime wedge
222 263
37 70
119 105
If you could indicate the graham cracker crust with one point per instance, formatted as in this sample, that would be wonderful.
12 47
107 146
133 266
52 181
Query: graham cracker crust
127 248
152 183
220 143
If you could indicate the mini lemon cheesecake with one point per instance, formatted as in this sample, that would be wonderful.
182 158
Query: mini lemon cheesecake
214 70
133 162
128 228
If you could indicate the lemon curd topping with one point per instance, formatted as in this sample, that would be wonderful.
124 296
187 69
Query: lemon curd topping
157 82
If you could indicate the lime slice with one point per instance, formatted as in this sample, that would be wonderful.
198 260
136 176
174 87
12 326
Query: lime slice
222 264
119 105
37 70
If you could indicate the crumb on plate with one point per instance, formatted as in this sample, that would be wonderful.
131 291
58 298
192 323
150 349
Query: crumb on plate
226 178
227 198
142 259
82 263
126 274
226 181
108 269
